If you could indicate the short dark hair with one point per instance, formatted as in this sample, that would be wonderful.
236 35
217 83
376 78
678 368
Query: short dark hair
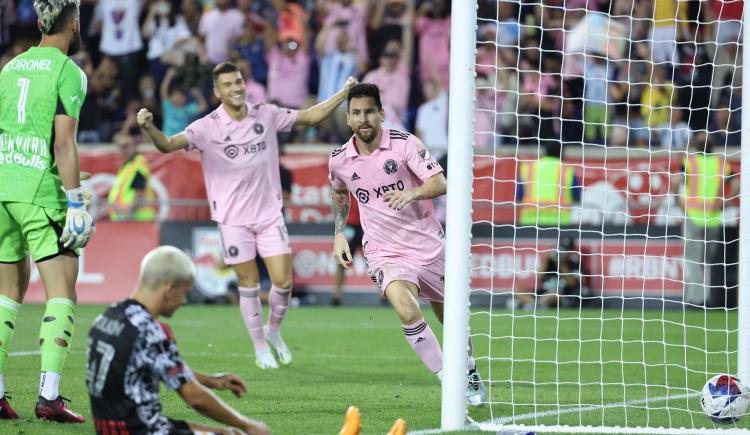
361 90
223 68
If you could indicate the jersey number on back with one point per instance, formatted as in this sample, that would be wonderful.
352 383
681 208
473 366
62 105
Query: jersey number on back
23 83
97 373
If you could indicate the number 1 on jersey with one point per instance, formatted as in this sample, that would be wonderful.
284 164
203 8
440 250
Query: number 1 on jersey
23 83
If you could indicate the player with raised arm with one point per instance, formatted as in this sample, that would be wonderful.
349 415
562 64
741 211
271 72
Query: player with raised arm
240 157
42 207
393 176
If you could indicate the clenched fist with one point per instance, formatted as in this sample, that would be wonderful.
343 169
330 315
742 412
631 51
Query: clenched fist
351 81
145 118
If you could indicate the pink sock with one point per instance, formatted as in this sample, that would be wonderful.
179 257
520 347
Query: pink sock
252 313
278 300
425 344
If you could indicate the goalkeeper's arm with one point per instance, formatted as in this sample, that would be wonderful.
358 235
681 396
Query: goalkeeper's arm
78 223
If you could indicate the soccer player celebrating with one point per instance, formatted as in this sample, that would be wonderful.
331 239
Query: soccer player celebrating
130 352
393 177
42 207
239 151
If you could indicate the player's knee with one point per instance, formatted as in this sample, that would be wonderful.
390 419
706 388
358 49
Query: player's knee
283 284
409 313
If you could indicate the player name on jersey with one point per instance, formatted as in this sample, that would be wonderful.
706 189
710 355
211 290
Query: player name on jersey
29 65
16 150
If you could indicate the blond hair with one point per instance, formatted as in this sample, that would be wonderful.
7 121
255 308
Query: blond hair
48 11
165 265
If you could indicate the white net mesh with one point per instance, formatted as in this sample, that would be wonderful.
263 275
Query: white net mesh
604 288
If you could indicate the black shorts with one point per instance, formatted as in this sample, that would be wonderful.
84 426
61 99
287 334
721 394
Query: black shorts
354 235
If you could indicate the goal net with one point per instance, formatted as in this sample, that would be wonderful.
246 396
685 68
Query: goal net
604 236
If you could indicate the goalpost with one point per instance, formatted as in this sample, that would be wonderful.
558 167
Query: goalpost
630 350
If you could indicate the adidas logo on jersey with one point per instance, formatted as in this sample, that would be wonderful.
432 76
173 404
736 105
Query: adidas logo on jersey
355 177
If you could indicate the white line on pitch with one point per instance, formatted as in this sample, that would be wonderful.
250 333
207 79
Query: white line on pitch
492 425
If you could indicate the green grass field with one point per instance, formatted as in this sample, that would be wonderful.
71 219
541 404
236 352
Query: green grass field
346 356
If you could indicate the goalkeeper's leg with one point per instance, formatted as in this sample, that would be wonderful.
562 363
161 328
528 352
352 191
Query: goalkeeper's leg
59 275
14 279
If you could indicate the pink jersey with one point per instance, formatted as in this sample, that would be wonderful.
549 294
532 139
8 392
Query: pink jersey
241 162
400 162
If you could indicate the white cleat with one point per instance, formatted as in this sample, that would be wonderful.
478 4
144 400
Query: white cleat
278 345
264 359
475 395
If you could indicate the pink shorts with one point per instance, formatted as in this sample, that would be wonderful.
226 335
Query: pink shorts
429 279
242 243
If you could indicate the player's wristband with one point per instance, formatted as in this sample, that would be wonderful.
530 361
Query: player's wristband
75 197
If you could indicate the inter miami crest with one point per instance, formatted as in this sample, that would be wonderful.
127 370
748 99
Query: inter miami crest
258 128
390 166
231 151
362 195
233 251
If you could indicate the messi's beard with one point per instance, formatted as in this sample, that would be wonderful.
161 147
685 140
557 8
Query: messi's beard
367 138
75 44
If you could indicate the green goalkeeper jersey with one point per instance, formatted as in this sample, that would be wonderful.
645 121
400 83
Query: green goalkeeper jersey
34 87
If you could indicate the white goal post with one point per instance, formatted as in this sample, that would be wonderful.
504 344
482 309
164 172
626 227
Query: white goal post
632 352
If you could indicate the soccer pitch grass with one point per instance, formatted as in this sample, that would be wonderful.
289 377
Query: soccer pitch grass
345 356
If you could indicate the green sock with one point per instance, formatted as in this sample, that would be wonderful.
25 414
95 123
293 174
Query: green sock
8 311
56 333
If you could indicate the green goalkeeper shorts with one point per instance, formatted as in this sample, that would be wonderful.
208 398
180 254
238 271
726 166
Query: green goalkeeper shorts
28 228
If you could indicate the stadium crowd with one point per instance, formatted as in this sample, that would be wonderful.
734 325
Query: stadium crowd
534 82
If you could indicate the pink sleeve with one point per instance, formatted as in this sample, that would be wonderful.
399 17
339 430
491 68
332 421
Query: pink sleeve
196 136
419 25
336 182
419 159
283 118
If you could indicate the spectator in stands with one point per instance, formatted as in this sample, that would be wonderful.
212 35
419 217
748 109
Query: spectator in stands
103 101
177 110
657 98
7 19
288 68
192 70
392 76
336 66
387 23
353 19
432 115
669 23
724 129
251 47
292 19
117 21
434 41
255 92
220 28
131 196
191 11
163 28
675 134
507 91
701 186
149 95
558 282
543 199
596 98
484 112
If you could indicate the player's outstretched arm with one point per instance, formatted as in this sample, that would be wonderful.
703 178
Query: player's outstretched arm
341 203
319 112
222 381
158 138
434 186
207 403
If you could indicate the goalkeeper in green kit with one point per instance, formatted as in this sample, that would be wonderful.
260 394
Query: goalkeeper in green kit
42 207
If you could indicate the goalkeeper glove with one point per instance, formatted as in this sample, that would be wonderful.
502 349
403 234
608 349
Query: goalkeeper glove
79 226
